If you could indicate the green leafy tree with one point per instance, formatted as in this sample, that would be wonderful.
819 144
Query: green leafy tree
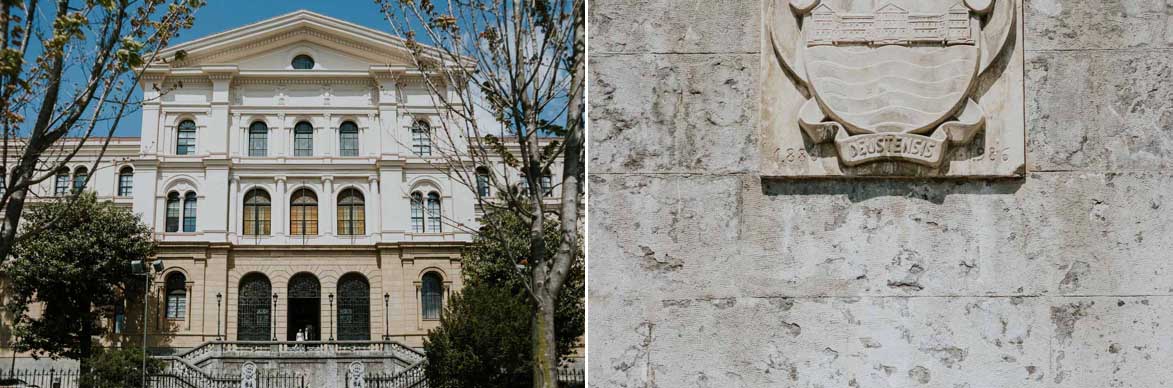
118 367
484 335
482 341
74 268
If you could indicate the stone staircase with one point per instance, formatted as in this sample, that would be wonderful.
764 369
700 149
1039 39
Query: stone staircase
325 364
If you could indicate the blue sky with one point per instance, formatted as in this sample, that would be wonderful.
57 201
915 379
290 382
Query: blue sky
222 15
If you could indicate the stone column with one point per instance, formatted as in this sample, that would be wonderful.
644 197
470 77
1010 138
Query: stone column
374 211
280 208
327 211
233 206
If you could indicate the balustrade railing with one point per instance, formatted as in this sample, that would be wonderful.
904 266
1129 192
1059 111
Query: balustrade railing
213 348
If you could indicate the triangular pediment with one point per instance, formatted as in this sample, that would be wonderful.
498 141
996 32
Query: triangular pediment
268 44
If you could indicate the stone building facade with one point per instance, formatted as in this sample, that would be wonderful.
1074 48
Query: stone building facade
706 274
292 179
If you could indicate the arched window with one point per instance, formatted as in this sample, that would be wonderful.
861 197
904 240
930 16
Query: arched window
125 181
417 212
432 292
351 213
176 296
547 183
348 139
303 139
483 182
433 212
354 308
172 223
61 182
79 179
257 213
303 62
303 213
258 139
189 212
253 309
421 138
185 143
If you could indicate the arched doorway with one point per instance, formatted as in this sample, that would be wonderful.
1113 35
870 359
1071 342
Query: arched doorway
305 304
354 308
253 311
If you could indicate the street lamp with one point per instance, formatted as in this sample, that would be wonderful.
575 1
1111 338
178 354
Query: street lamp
386 303
331 316
218 297
274 314
139 267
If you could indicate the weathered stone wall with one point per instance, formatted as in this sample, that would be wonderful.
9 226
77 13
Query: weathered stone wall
702 274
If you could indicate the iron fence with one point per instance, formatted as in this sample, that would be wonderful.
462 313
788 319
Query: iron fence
571 378
51 378
415 378
182 379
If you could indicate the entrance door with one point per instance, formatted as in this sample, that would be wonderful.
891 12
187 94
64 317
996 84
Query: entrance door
305 298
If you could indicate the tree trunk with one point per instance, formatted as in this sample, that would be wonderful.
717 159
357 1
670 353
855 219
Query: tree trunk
86 347
545 349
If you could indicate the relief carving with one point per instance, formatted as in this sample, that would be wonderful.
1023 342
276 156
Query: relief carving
889 81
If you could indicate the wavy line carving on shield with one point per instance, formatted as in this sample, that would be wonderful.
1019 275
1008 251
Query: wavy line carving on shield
902 68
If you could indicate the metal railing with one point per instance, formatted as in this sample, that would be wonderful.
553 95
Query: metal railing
51 378
412 377
188 379
214 348
415 377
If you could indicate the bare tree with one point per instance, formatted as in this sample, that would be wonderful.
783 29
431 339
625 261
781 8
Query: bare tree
522 62
68 71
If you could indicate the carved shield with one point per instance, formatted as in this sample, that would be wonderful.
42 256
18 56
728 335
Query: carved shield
892 69
890 80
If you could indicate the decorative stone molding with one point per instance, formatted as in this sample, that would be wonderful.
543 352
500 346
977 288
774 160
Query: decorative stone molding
912 88
355 373
248 375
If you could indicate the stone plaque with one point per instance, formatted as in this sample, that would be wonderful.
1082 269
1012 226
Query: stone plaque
892 88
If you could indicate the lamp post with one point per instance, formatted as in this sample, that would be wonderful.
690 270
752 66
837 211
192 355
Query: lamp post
139 267
386 303
331 316
218 297
274 314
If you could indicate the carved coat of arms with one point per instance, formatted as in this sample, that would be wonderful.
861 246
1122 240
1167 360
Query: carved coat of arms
890 80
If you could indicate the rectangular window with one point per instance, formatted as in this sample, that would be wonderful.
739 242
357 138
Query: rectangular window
304 220
119 316
176 305
421 143
348 145
417 218
432 302
352 221
61 186
125 184
303 144
3 184
186 143
172 218
189 215
547 183
258 143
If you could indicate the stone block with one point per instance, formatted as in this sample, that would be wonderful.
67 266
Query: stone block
673 26
1100 110
673 113
1105 24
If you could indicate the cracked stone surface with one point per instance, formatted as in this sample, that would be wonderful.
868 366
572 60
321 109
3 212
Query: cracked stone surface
703 274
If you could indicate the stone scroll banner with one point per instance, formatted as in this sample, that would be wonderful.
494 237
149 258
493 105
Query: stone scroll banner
892 88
